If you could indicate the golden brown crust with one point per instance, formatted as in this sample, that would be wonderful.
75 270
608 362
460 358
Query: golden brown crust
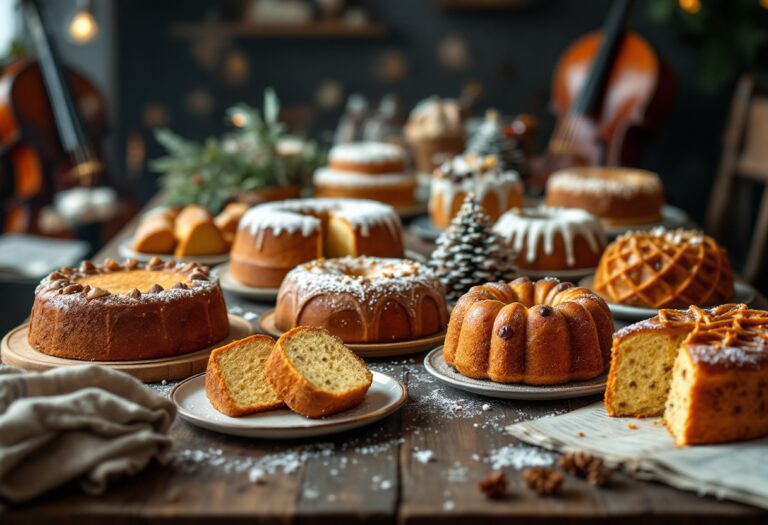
539 333
299 394
79 322
216 389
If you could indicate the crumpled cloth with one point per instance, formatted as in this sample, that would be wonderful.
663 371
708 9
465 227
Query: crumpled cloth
85 422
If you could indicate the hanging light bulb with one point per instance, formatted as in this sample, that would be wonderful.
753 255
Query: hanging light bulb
83 27
690 6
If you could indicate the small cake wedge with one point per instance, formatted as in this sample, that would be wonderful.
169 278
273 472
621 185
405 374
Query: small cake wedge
234 380
315 374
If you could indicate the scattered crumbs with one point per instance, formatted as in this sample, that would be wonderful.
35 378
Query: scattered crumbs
449 505
519 456
658 422
632 426
581 434
256 475
424 456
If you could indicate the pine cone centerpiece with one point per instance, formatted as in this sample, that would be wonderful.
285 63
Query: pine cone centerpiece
490 139
469 253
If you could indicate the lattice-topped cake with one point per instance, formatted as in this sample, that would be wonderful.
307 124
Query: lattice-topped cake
363 299
552 238
128 311
706 371
274 238
617 196
664 268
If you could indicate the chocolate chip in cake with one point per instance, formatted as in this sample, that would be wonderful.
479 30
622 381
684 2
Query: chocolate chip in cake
506 332
546 311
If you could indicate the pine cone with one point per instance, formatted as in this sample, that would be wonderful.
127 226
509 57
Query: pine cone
584 465
494 485
544 481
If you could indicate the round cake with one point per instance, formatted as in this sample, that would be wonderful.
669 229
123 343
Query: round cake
541 333
617 196
496 190
367 170
664 269
552 238
275 237
126 312
363 299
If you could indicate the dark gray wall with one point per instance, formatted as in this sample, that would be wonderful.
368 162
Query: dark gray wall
512 55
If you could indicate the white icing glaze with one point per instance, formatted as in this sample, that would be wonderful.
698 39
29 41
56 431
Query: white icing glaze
332 177
623 182
367 153
530 228
434 117
472 177
296 215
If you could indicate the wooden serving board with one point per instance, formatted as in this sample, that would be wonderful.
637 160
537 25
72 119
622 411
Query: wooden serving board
15 350
369 350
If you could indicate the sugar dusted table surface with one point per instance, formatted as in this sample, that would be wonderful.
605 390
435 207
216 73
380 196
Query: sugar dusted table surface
420 465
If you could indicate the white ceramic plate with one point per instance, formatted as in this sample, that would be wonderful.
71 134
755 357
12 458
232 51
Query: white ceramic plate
126 251
671 217
385 396
443 372
743 293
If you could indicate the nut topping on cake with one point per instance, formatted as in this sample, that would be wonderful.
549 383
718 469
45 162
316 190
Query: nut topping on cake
112 265
95 293
134 294
87 267
155 288
154 261
180 286
199 276
131 264
72 288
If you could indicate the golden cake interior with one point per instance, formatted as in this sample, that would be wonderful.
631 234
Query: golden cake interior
325 362
123 282
242 369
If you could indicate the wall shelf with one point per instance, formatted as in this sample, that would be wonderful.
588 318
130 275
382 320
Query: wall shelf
310 30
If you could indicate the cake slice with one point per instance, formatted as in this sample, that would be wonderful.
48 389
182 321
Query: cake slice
155 234
234 380
315 374
197 234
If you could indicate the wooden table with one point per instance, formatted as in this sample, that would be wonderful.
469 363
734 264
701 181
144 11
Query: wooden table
377 474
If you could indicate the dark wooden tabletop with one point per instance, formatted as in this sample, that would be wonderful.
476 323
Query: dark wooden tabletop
420 465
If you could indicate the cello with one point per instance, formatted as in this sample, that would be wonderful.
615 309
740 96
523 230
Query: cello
610 91
49 116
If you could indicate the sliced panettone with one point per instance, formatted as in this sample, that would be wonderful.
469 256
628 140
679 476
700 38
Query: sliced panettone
197 234
234 380
315 374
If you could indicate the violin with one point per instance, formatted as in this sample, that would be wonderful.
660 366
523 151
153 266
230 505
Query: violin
49 118
610 91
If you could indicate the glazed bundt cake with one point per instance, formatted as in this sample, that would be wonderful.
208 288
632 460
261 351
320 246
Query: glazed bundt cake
706 371
539 333
664 269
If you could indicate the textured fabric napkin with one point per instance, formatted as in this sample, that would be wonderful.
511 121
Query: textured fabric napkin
83 422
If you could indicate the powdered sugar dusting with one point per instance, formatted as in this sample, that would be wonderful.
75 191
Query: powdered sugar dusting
625 183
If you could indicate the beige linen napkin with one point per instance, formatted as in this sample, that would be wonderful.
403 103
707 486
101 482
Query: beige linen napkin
83 422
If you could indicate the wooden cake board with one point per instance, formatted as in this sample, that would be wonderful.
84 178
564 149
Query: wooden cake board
15 350
369 350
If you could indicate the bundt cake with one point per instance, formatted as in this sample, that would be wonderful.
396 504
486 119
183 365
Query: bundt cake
539 333
495 189
617 196
315 374
706 371
129 311
275 237
664 268
552 238
363 299
235 383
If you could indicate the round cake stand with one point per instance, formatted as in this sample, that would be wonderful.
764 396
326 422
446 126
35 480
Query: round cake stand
15 350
